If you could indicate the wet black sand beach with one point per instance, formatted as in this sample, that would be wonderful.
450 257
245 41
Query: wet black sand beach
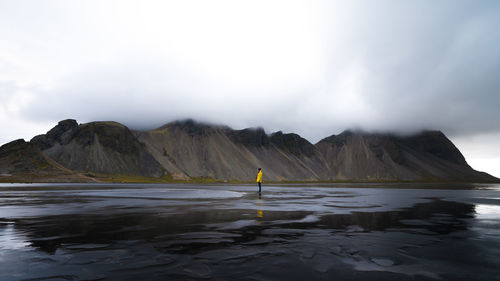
295 232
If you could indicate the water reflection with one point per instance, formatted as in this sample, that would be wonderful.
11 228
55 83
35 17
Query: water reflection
225 240
11 238
486 211
260 204
436 217
48 233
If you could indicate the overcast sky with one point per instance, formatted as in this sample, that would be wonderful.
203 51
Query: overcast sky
310 67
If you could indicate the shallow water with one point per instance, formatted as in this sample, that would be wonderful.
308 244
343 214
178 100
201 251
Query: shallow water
293 232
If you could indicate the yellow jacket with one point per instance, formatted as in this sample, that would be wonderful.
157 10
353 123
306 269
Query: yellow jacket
259 176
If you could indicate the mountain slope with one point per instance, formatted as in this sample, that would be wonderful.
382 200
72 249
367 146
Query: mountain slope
18 157
428 155
188 149
99 147
191 149
22 161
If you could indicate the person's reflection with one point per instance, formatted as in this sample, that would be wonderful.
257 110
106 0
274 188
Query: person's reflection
260 204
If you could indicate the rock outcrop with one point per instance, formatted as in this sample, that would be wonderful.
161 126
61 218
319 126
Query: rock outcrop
98 147
22 161
20 157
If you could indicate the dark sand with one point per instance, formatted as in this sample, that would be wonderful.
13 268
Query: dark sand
180 232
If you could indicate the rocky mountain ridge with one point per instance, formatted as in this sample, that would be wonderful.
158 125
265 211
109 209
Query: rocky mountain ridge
189 149
21 161
98 147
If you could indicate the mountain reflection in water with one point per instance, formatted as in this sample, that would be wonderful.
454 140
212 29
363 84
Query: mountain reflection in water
323 234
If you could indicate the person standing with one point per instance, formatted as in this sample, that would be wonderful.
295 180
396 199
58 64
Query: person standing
259 179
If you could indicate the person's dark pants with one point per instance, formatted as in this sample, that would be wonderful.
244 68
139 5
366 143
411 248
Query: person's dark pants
259 186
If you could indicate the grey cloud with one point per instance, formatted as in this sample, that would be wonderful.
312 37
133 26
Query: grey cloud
426 64
387 65
7 91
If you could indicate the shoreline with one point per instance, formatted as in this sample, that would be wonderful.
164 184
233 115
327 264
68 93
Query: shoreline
209 181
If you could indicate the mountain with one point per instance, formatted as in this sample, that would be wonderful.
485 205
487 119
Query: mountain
23 161
98 147
191 149
19 157
428 155
188 149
